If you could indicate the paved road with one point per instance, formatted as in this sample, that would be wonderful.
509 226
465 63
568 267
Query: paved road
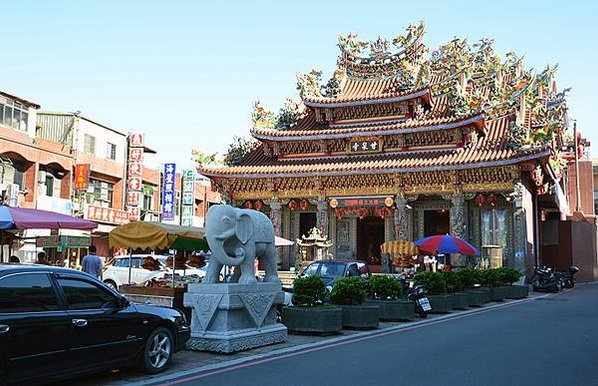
547 341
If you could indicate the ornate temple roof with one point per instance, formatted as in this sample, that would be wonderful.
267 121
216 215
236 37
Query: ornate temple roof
516 114
370 127
364 92
492 150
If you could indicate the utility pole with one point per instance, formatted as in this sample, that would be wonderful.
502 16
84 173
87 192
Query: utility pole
575 149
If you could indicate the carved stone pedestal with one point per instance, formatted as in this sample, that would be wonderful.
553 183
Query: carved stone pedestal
234 317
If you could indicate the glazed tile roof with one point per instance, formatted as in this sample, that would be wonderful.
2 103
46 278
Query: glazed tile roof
358 91
491 150
308 131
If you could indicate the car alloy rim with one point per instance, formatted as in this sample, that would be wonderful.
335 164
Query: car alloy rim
159 350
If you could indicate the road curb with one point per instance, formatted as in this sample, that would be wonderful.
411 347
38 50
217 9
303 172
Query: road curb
175 377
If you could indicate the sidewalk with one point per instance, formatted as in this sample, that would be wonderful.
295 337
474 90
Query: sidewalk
187 362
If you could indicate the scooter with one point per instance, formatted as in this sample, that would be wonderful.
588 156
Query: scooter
546 279
418 294
568 279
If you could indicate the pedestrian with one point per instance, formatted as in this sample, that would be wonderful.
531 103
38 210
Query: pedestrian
41 259
92 264
14 259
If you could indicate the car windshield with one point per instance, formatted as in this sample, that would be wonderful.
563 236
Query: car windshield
334 270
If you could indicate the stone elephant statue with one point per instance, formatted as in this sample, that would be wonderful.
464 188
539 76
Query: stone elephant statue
236 238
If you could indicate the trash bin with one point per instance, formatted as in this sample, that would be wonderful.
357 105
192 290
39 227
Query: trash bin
492 256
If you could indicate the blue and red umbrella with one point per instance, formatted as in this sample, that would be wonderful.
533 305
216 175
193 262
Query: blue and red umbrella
446 244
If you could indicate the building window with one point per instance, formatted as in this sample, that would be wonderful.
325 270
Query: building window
49 185
148 198
110 151
103 193
89 144
14 114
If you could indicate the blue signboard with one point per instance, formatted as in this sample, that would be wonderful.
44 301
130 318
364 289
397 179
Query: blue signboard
168 187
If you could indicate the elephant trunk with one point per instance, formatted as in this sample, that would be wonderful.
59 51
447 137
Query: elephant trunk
219 253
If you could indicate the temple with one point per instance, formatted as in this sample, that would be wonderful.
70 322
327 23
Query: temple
402 143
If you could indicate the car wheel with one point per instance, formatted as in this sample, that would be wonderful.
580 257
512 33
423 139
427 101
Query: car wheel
111 284
157 352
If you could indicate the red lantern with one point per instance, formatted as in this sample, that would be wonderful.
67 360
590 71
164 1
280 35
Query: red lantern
340 213
304 204
492 199
480 199
292 205
383 212
248 205
259 205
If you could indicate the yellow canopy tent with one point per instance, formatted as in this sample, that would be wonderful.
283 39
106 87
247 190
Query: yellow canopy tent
401 250
155 235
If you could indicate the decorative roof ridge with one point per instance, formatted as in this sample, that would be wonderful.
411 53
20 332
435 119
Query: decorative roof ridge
390 98
390 153
470 165
401 128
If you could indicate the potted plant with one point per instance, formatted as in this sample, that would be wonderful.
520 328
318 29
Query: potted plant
454 286
470 279
385 292
440 301
350 293
308 312
492 278
510 276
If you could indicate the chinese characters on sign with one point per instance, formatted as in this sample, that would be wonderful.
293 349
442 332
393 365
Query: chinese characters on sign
369 146
134 174
168 187
188 198
109 215
360 202
81 176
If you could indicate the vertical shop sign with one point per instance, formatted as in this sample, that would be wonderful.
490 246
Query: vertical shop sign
168 188
134 173
81 176
188 198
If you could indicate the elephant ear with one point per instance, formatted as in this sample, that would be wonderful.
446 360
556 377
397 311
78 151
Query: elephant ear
244 228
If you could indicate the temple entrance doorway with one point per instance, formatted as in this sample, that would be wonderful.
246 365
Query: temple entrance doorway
370 235
307 221
436 222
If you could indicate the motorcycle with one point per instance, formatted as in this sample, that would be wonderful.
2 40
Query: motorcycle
418 294
568 279
547 279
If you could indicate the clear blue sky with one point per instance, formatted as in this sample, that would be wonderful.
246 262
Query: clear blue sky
186 72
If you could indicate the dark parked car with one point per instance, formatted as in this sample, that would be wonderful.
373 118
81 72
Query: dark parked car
331 270
57 323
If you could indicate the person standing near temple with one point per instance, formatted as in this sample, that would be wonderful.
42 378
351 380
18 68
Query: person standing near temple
92 264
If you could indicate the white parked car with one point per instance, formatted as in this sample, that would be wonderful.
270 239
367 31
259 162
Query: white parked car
117 272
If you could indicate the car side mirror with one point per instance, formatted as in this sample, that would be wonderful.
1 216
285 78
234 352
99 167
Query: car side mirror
124 302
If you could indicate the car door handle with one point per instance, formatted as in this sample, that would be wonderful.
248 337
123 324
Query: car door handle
4 328
80 322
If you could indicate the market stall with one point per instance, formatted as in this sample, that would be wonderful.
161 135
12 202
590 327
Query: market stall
398 253
13 220
149 236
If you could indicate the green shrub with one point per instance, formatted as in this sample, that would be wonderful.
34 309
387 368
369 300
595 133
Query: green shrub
453 281
308 291
508 275
349 291
435 282
491 278
470 277
385 288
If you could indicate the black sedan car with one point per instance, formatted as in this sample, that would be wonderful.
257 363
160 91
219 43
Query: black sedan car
57 323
